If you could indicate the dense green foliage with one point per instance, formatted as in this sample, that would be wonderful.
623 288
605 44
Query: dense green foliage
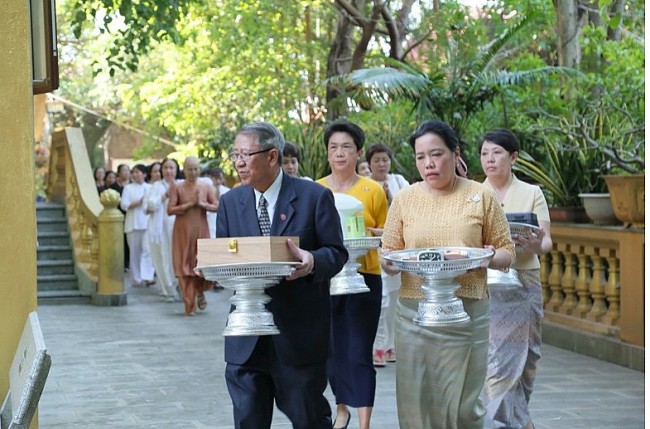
192 72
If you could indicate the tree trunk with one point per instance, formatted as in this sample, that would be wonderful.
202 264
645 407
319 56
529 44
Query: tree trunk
339 61
346 55
567 26
618 7
368 28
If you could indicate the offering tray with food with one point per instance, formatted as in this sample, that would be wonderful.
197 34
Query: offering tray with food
348 280
248 280
439 266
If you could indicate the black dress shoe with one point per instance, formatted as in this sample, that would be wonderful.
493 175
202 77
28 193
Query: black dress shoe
342 427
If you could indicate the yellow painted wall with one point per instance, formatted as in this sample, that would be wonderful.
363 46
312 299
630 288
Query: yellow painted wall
17 211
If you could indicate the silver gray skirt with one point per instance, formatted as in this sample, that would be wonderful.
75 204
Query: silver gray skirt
441 370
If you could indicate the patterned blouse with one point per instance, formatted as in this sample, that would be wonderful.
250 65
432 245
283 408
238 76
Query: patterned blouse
469 216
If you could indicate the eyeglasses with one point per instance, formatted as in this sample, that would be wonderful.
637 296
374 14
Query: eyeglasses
234 156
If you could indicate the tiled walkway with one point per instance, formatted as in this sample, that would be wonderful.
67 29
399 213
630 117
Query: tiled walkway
145 365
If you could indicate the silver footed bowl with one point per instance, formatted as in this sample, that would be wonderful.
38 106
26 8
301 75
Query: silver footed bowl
503 280
348 280
250 315
439 266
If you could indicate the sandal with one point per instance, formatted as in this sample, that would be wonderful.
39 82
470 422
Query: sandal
202 303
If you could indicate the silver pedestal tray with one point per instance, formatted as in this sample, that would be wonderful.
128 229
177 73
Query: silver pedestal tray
503 280
440 306
348 280
250 316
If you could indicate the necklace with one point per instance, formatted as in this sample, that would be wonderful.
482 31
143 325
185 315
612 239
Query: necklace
441 192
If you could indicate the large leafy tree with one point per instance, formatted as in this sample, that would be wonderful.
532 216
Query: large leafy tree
451 84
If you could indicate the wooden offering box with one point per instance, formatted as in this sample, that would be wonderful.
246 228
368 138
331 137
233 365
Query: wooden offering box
241 250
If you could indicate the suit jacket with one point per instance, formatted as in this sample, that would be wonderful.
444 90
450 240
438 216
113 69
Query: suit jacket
301 308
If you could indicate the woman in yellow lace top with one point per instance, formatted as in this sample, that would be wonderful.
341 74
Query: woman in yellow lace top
354 317
441 370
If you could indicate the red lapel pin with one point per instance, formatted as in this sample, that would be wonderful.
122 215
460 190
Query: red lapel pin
283 216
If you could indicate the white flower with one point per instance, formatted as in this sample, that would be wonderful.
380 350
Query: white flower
474 198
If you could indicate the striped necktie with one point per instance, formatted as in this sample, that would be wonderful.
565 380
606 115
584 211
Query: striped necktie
264 221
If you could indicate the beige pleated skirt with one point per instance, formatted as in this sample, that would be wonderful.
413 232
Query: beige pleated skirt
441 370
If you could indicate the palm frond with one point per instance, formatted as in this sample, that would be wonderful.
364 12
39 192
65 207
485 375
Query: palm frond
527 165
506 77
389 80
489 51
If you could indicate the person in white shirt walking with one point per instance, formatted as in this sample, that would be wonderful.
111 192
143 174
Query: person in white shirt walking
380 157
135 226
160 227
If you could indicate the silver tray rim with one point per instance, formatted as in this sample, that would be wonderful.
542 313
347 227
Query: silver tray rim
362 242
449 266
518 225
255 265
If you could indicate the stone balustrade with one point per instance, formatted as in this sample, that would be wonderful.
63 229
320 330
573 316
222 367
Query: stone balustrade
593 280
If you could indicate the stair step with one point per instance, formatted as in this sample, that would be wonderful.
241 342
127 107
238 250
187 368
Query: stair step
58 282
53 252
49 210
53 238
54 266
52 224
59 297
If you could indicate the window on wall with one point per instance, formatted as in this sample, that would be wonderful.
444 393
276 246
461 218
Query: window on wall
45 58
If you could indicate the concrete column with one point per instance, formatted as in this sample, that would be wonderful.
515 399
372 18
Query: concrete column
110 229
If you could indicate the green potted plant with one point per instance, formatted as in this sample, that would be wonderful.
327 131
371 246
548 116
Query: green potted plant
614 118
577 153
616 138
563 172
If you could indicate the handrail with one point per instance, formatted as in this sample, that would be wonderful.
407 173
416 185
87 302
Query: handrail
96 226
71 182
593 280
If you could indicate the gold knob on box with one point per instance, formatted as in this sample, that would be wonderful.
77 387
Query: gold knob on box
233 246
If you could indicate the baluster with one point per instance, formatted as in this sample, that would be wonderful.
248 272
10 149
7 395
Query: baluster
544 270
86 242
613 290
597 286
568 281
94 252
582 284
73 208
555 281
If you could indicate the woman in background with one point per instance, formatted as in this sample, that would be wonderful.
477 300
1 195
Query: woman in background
109 178
440 370
135 226
354 317
515 314
362 168
291 158
380 158
100 173
154 172
123 178
160 229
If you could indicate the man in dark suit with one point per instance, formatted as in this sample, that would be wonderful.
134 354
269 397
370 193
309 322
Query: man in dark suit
289 368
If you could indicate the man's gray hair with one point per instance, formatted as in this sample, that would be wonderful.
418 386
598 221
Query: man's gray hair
268 136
